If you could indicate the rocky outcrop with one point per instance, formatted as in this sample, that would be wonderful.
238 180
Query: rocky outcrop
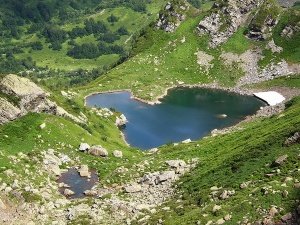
172 16
31 97
52 161
264 21
225 19
8 111
121 120
273 47
289 30
293 139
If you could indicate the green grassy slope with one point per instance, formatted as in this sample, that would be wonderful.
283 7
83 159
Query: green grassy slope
169 58
24 135
168 61
161 60
229 160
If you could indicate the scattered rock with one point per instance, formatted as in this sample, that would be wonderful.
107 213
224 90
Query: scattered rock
164 176
220 221
153 150
118 154
121 121
216 208
2 205
98 150
227 217
290 30
187 141
90 192
84 147
244 185
224 195
215 188
285 193
132 188
54 168
176 163
273 211
287 217
293 139
43 126
204 60
273 47
68 192
297 185
280 160
84 171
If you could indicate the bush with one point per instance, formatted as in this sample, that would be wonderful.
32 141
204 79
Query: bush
92 51
112 19
109 37
37 45
122 31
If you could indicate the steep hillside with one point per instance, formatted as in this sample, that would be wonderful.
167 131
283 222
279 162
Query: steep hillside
184 56
82 38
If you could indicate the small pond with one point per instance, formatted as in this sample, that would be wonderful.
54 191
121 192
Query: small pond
184 113
77 183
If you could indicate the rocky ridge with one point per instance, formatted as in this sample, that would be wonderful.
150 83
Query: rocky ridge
31 98
172 16
225 19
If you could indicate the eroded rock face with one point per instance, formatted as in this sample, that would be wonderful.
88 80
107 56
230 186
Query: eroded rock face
264 21
31 98
224 21
8 111
293 139
172 16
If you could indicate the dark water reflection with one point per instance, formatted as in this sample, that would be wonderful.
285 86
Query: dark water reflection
77 183
184 113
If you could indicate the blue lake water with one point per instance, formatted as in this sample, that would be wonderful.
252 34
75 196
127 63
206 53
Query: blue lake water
184 113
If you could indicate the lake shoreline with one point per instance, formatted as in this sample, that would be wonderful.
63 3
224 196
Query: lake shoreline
213 86
180 87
